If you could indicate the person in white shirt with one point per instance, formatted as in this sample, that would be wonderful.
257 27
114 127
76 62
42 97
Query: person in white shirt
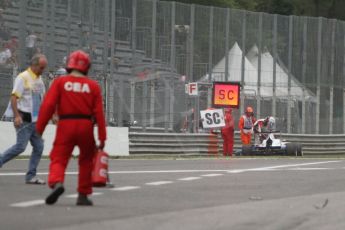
5 55
26 99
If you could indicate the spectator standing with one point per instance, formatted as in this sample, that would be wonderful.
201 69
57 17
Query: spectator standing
30 44
12 44
144 74
5 55
26 100
188 124
4 32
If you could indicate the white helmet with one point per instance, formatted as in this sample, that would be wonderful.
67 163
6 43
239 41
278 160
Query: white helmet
61 71
271 125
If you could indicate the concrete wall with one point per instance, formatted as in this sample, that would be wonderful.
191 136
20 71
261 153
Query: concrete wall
117 142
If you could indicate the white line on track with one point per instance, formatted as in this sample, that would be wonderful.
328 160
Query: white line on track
307 169
125 188
76 195
189 178
28 203
270 168
169 171
212 175
296 165
189 171
72 196
156 183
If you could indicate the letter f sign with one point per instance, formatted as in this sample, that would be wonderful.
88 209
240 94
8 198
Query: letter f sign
193 89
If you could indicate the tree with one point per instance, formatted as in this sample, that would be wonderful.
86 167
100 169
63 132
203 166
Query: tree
284 7
219 3
316 8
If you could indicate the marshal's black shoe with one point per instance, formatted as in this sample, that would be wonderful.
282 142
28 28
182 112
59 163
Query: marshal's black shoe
54 195
82 200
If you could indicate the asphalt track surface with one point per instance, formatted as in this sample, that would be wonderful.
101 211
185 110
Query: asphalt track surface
207 194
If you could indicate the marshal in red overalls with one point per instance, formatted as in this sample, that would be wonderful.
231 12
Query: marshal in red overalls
78 101
228 133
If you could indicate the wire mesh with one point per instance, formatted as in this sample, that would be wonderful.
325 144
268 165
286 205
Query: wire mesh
144 52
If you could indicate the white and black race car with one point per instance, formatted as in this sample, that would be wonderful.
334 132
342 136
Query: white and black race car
270 145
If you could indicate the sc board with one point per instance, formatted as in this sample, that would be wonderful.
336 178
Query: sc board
212 118
226 94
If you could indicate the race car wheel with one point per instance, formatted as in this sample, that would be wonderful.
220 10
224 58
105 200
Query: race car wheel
246 150
291 149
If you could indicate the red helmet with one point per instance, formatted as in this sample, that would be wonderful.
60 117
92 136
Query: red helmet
78 60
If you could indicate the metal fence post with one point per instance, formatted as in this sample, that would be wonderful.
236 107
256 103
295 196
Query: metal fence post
52 58
318 87
91 37
132 106
106 36
196 113
22 32
144 106
45 21
81 9
111 89
258 98
289 73
134 33
243 63
210 46
91 21
153 32
153 59
331 89
120 88
191 43
344 82
106 100
152 103
274 99
171 109
191 62
304 71
134 47
69 12
172 42
209 96
166 104
110 113
227 32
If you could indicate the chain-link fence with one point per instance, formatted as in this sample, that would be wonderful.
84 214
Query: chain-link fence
144 52
6 83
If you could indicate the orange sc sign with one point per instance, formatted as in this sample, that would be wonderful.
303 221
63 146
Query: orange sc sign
226 94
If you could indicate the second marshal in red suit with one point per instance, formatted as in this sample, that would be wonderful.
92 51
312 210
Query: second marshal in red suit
228 133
